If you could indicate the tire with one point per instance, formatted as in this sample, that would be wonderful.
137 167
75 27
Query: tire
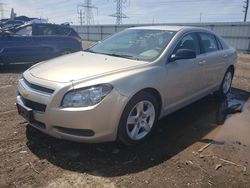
225 86
221 112
142 111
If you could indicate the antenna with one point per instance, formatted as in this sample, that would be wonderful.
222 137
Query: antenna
119 14
85 12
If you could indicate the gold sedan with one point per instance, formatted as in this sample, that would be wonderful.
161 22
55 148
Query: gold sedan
120 87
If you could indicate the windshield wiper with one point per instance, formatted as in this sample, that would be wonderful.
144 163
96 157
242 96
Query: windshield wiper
121 55
113 54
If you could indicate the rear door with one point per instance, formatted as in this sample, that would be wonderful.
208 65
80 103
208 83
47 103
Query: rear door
213 62
45 40
184 77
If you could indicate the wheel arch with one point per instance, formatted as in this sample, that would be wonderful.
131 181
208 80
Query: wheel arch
231 67
153 92
148 90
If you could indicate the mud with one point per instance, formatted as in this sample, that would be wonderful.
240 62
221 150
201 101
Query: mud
205 144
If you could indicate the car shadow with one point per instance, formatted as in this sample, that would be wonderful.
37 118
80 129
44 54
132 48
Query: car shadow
15 68
175 133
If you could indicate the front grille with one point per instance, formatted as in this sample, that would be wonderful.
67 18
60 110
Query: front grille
38 88
33 105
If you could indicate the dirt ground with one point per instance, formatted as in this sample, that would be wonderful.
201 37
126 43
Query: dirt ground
206 144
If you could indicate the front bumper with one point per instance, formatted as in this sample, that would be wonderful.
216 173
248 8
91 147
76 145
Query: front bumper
98 123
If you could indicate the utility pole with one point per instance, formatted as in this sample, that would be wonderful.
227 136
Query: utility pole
81 17
245 6
200 16
119 14
85 12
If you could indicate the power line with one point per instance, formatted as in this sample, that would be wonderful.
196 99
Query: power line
192 1
245 9
85 13
119 14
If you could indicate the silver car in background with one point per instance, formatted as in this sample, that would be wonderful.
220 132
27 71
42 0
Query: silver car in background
120 87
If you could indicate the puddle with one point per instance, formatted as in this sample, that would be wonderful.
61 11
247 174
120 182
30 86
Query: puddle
228 106
233 120
233 116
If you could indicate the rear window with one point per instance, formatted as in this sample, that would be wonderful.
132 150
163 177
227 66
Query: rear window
62 31
47 30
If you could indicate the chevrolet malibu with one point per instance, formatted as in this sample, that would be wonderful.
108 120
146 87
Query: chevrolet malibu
120 87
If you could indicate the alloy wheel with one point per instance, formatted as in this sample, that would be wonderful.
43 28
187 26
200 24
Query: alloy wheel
227 82
140 120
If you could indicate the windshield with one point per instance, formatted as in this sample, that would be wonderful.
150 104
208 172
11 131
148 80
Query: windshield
139 44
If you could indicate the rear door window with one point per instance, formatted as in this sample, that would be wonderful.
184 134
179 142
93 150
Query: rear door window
48 30
219 43
209 43
44 30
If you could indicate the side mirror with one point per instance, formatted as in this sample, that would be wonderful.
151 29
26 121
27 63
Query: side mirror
183 54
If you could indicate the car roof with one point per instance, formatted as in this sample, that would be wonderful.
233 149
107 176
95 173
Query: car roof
48 24
170 28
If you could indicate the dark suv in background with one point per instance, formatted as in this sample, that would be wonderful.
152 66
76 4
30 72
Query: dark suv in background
36 42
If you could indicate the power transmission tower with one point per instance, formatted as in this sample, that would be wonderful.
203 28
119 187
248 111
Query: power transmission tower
245 9
119 14
85 13
2 10
200 16
12 14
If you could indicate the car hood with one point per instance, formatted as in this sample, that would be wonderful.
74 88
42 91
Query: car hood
81 65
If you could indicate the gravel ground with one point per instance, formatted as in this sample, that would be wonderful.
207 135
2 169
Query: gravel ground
206 144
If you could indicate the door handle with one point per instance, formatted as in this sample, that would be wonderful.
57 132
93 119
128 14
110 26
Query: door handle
225 55
202 62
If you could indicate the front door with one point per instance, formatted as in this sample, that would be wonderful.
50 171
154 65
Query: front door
19 46
45 39
184 76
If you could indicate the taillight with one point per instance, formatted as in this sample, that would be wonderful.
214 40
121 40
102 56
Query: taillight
76 38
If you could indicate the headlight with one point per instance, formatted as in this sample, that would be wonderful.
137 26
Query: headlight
86 97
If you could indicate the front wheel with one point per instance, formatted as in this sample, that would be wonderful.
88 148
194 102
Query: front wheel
138 119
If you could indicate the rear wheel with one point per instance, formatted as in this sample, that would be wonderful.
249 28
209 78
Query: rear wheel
138 119
226 83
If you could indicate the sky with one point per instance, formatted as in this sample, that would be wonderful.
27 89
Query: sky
138 11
